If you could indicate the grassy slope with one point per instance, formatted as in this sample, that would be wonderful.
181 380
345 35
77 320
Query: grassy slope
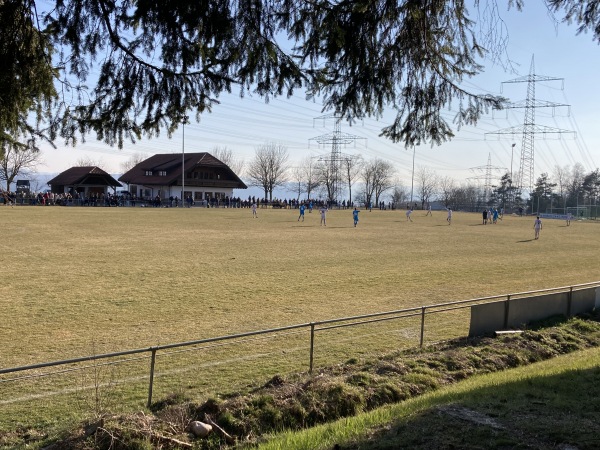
535 405
539 407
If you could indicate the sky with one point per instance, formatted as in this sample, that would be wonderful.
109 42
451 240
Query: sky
242 124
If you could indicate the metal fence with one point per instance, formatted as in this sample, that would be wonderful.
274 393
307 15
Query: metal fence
421 317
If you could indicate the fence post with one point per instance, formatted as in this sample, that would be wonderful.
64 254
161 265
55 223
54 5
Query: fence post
152 362
422 326
506 311
569 301
312 346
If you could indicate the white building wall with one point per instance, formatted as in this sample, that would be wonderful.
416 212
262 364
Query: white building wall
199 193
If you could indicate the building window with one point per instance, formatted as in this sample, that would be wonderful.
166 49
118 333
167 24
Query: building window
162 173
148 173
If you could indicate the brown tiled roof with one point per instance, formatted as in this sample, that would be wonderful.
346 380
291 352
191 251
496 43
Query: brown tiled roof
171 164
82 176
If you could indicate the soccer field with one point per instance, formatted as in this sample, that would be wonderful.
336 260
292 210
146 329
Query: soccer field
119 278
87 281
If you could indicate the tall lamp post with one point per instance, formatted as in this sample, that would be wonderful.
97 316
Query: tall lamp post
412 181
183 121
512 152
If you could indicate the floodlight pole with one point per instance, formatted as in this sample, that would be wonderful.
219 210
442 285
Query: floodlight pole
183 121
412 181
512 153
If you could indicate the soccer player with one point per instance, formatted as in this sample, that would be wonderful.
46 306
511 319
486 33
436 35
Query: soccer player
569 218
408 213
449 218
323 212
537 226
254 213
302 207
355 216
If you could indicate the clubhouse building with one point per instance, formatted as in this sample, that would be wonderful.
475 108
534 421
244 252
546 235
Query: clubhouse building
85 181
200 176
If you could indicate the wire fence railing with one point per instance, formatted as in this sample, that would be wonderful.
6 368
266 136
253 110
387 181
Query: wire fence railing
287 348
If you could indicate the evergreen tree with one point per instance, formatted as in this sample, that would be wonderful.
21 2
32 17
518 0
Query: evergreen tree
542 193
26 79
505 194
127 68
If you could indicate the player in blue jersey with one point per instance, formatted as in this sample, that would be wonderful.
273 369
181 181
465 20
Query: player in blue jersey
302 208
355 216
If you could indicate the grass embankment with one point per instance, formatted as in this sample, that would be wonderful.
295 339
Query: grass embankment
535 405
548 405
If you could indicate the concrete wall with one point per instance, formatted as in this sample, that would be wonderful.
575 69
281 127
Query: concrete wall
524 310
487 318
504 314
585 300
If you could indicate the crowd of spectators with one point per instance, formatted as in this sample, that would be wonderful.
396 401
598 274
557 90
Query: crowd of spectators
48 198
63 199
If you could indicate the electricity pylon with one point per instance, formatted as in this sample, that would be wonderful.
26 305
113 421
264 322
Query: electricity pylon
487 185
334 160
529 128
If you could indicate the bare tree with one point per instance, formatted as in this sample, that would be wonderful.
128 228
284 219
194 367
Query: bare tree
351 166
226 156
327 177
310 174
447 190
377 176
298 181
399 194
306 177
383 178
467 197
133 161
368 176
88 161
561 175
268 168
16 160
426 184
575 183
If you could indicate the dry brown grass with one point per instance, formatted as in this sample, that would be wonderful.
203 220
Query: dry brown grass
83 280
